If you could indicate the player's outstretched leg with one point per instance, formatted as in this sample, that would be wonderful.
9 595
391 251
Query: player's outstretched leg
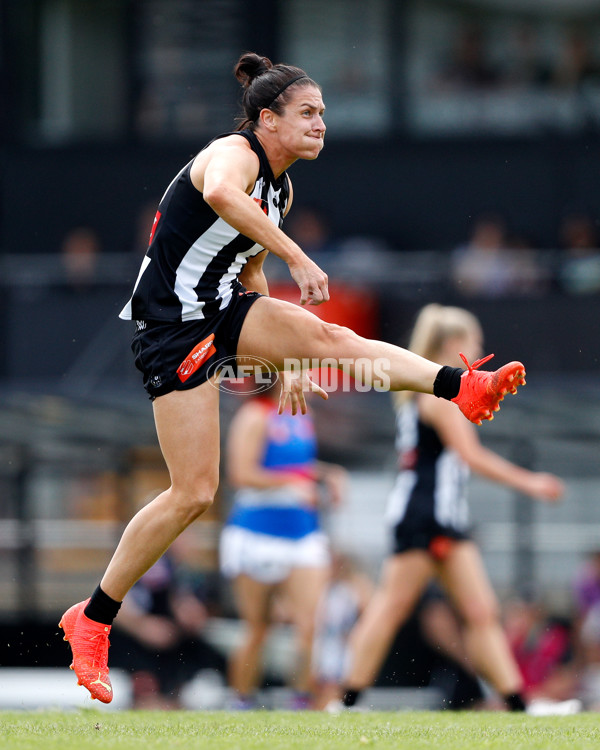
481 391
89 643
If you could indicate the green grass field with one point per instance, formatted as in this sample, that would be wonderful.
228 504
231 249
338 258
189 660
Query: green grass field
293 731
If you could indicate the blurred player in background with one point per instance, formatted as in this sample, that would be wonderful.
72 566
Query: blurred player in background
272 543
201 297
428 515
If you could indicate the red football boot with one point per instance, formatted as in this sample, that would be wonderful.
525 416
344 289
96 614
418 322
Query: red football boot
89 643
481 391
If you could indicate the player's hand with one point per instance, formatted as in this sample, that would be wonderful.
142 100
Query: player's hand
335 479
307 490
157 632
294 385
547 487
190 612
313 282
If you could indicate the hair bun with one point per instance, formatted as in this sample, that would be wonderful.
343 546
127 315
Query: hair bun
251 66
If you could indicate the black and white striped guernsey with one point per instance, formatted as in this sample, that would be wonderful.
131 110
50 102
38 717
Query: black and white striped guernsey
194 258
431 487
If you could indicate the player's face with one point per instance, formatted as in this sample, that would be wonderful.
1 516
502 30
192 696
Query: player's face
470 344
301 128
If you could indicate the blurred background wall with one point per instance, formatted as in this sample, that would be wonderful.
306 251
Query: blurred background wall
461 166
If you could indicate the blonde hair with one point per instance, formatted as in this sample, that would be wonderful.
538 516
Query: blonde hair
435 324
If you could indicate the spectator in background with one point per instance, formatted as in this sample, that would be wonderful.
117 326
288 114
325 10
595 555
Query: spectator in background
308 227
586 591
487 266
158 638
356 258
79 253
543 649
143 228
347 594
579 271
587 586
452 672
468 68
524 64
576 66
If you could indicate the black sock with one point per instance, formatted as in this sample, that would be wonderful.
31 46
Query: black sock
350 697
515 702
447 382
101 608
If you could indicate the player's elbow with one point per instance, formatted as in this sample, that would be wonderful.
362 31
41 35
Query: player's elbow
473 455
217 196
238 477
255 282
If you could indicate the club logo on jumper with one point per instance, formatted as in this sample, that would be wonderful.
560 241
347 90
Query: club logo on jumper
243 375
199 354
262 204
154 225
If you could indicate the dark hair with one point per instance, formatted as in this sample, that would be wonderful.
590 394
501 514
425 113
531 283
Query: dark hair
266 86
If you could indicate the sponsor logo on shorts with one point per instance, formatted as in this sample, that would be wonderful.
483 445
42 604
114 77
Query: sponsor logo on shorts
199 354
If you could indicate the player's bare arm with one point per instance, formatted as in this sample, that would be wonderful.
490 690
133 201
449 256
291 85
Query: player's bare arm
225 176
460 435
245 448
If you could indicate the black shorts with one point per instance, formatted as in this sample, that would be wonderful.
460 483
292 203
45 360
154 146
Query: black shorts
175 356
432 537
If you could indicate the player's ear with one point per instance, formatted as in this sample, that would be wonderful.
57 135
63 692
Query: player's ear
268 119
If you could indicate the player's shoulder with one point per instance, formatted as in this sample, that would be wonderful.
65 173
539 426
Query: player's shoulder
234 152
231 154
231 143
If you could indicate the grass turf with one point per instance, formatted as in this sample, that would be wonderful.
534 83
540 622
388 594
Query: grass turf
220 730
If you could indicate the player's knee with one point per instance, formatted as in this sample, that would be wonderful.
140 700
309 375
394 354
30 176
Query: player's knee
257 632
334 339
193 503
200 502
